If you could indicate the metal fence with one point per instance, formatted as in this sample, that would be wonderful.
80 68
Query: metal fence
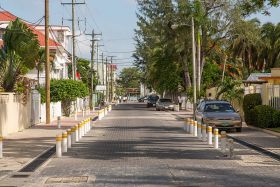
274 96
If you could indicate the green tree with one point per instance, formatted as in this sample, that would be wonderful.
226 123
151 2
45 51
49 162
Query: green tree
129 78
83 68
19 54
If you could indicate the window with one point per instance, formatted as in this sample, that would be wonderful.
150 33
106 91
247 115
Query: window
219 107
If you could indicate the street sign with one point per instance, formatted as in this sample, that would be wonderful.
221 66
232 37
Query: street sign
100 88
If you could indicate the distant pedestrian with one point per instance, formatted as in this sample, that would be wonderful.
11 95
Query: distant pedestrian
180 101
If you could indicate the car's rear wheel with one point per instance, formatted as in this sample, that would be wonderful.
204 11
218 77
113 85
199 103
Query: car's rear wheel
239 129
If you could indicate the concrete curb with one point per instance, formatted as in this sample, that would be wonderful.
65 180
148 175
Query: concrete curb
264 130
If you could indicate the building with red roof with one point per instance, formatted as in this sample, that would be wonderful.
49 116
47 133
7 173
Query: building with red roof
59 41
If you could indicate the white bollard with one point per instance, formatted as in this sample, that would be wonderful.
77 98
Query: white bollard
83 112
77 133
204 138
106 111
58 146
199 134
216 138
86 126
75 115
64 142
80 130
191 126
73 135
185 125
69 138
188 125
195 129
209 130
83 128
58 122
223 141
1 147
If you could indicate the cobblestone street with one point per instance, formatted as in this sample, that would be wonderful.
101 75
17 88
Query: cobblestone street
136 146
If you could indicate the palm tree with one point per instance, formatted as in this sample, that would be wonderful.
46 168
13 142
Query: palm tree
270 34
246 43
18 55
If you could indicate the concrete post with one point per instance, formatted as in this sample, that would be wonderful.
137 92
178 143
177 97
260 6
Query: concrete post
80 130
64 142
195 129
188 125
73 135
209 130
204 138
83 128
69 138
223 141
58 122
191 126
199 134
231 148
77 133
216 138
58 146
1 147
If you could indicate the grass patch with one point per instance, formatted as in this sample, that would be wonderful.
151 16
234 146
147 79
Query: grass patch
275 129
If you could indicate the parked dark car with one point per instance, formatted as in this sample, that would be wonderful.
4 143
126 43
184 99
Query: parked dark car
152 100
143 99
219 114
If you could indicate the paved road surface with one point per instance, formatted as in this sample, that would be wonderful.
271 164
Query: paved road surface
136 146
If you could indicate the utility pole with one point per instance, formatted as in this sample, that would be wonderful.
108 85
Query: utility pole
97 60
91 100
194 69
111 78
74 66
103 81
107 85
47 64
198 61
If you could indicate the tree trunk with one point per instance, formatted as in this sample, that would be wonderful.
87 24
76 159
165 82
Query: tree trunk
188 83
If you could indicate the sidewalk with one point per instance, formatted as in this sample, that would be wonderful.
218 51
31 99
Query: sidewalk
250 135
21 147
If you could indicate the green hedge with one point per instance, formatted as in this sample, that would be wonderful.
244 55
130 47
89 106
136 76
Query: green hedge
249 103
263 116
276 119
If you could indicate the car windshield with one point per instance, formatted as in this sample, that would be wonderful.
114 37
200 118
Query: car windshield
165 100
155 98
218 107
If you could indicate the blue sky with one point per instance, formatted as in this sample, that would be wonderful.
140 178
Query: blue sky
116 19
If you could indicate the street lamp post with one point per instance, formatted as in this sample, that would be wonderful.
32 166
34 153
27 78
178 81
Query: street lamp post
193 62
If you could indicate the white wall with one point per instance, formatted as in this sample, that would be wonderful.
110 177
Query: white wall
55 111
15 115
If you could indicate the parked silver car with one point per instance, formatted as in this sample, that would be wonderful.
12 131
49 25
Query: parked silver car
164 104
219 114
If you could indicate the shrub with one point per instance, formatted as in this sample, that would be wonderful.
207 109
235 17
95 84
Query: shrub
65 91
263 116
249 103
276 119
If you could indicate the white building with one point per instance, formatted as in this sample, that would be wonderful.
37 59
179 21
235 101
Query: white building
59 41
